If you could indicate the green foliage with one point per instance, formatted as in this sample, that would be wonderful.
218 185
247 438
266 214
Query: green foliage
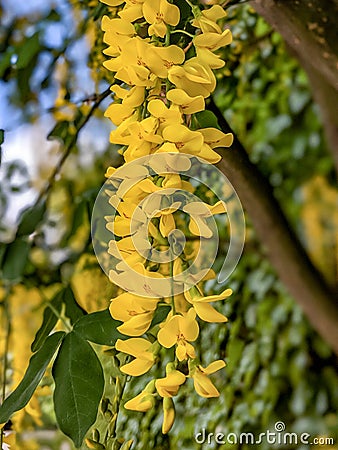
50 317
79 384
31 218
36 369
99 327
15 259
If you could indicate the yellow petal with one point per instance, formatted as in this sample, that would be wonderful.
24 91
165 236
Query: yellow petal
214 367
137 325
133 346
208 313
137 367
167 336
142 402
204 387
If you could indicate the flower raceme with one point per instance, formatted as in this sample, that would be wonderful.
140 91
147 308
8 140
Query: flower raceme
163 72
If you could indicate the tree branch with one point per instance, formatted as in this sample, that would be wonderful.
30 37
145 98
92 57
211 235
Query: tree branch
309 29
281 244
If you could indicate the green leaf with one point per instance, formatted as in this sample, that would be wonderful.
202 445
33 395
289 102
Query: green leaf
73 309
160 314
204 119
28 51
2 136
30 219
15 259
99 327
59 132
36 368
79 384
48 322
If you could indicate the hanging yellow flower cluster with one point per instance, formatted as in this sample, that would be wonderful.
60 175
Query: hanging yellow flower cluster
163 71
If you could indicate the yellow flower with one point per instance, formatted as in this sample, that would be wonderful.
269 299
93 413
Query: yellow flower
159 13
208 18
118 113
216 138
187 104
131 65
202 305
161 59
168 414
165 116
140 137
125 251
142 350
117 33
151 284
185 140
112 2
143 401
213 41
132 10
169 386
194 77
203 385
131 97
199 213
136 312
180 330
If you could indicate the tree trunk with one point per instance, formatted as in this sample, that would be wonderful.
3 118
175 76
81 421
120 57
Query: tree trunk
309 27
281 244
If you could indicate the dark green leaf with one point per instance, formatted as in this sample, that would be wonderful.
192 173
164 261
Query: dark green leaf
160 314
59 132
2 136
48 322
30 219
99 327
204 119
79 384
73 309
37 366
15 259
28 51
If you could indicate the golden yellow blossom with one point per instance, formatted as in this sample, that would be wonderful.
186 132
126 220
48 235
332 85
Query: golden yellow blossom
202 305
187 104
160 13
136 312
169 386
180 330
142 350
143 401
203 385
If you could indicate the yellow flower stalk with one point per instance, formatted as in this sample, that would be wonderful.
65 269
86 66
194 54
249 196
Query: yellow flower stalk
162 84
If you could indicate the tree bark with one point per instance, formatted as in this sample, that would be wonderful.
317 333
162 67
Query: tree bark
309 27
281 244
